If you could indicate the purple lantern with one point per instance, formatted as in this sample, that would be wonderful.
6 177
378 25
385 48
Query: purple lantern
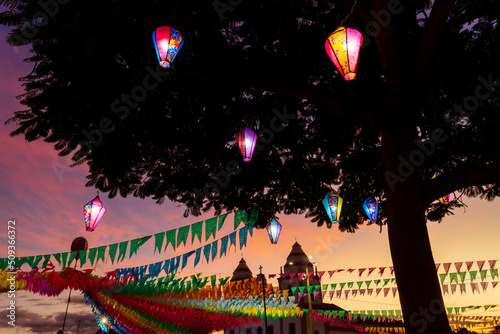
273 228
246 139
93 212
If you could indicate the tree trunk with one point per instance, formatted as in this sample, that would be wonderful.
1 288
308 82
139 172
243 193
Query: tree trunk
418 284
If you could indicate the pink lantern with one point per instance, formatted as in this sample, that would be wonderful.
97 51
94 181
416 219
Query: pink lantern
168 42
93 212
342 46
273 228
246 139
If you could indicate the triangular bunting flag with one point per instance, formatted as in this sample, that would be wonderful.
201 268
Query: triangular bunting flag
484 285
445 289
223 245
446 267
394 290
331 272
197 257
458 265
462 276
112 249
232 240
437 266
206 252
240 216
170 238
182 235
483 274
222 219
370 270
101 253
361 271
474 287
453 288
196 231
492 263
381 270
494 284
472 275
386 291
462 288
136 243
442 277
469 264
480 264
243 237
122 251
214 249
210 228
494 273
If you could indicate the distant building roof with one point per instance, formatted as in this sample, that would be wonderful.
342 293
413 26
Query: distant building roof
241 272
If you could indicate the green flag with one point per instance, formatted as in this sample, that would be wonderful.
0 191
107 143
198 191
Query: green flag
112 252
442 277
136 243
210 228
170 238
91 255
472 275
101 253
196 230
240 216
222 219
159 237
122 251
182 235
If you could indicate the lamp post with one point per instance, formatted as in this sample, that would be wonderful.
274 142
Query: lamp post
263 280
106 322
309 298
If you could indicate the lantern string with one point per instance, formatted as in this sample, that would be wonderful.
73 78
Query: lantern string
352 9
173 11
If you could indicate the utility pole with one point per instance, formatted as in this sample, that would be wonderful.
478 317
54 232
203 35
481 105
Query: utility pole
263 280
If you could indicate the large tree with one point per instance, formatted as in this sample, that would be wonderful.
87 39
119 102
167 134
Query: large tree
425 99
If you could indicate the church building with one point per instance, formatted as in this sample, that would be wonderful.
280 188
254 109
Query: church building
296 262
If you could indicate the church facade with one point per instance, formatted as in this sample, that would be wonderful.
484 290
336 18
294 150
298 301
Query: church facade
296 262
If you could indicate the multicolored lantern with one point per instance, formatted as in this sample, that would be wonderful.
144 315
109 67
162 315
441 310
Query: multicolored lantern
168 42
342 46
246 139
371 208
333 205
445 199
93 212
273 228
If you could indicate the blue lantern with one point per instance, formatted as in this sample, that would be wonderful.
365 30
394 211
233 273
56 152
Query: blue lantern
371 208
333 205
273 228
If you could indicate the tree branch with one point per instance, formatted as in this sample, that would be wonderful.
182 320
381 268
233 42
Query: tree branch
430 38
460 178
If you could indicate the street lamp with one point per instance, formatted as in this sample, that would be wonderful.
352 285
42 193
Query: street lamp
105 321
263 280
309 296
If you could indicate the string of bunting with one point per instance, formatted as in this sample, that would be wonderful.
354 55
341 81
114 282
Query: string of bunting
382 270
174 238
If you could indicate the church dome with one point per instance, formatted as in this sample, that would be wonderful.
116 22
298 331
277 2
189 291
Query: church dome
241 272
297 260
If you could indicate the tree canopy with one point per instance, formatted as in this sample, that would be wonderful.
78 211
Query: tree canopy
425 99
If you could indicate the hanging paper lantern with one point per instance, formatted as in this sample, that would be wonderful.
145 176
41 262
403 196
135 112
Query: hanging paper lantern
93 212
445 199
273 228
246 139
333 205
371 208
168 42
342 46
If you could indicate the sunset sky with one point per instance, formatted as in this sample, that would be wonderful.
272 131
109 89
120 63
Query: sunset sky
48 209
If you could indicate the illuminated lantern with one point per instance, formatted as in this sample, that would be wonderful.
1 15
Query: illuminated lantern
342 46
273 228
333 205
371 208
168 42
445 199
93 212
246 139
